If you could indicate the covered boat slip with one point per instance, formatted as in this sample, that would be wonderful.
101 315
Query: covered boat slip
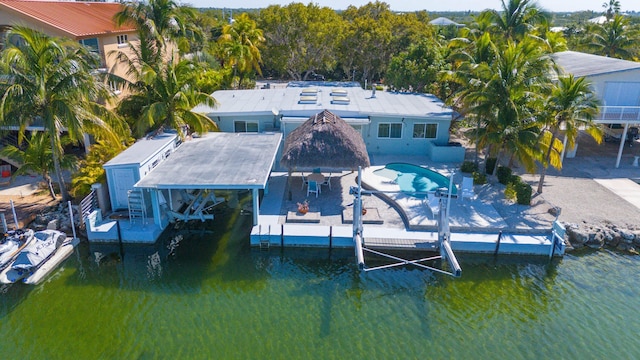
199 167
183 187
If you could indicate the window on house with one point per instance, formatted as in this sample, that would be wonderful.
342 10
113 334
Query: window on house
245 126
91 44
390 130
425 131
122 39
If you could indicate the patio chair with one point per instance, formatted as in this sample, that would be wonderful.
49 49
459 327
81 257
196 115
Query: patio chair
433 202
327 181
467 188
312 187
304 181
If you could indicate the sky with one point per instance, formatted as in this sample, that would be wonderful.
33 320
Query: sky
429 5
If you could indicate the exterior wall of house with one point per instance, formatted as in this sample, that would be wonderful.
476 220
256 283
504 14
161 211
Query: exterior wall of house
377 143
412 139
599 84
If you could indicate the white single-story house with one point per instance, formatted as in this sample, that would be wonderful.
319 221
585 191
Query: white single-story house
389 122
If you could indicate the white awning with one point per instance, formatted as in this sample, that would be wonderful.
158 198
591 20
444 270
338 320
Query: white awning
349 120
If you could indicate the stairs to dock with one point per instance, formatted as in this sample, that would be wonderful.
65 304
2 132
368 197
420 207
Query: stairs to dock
137 208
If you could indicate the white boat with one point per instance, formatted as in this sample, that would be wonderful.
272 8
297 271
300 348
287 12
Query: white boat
44 245
12 243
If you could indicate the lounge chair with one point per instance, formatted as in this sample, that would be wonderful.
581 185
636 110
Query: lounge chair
467 188
433 202
312 187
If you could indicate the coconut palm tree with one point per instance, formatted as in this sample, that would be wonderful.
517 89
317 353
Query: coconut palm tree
52 86
37 157
614 38
164 97
239 46
157 20
612 7
571 106
517 18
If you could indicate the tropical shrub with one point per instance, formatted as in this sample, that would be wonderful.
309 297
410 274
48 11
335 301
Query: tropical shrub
479 178
510 191
523 193
504 175
468 167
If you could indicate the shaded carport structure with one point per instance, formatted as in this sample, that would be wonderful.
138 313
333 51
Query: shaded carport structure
216 161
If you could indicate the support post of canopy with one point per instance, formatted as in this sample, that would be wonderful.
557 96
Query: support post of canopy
256 206
357 221
623 140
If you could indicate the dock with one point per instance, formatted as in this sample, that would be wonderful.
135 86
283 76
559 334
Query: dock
401 223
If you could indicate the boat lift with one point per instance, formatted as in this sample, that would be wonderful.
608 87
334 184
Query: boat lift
199 205
444 234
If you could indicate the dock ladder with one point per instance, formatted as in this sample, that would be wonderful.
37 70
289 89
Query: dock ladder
137 209
265 239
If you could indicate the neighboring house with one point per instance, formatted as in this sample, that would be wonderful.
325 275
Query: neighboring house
616 83
389 122
90 23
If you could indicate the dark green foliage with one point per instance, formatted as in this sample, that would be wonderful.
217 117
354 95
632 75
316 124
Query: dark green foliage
523 193
479 178
489 165
504 175
468 167
514 179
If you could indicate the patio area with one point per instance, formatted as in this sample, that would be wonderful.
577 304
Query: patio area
487 211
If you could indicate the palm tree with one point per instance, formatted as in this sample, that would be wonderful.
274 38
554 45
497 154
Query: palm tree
239 43
571 106
52 85
614 39
157 20
612 7
518 17
38 158
504 95
165 98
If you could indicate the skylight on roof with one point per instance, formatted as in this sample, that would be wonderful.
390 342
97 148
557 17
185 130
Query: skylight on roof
343 100
339 92
308 92
308 99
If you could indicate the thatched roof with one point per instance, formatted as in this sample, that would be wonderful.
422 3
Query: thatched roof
324 141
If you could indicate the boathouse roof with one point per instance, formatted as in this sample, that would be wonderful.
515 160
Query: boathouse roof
217 161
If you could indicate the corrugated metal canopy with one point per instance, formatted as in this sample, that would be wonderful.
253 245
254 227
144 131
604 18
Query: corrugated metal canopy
218 161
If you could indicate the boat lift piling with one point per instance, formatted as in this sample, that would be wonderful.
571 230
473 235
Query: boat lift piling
444 234
15 217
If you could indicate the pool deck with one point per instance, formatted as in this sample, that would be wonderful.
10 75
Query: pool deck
394 221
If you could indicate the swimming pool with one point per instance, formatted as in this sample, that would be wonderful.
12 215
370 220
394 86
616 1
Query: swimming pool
414 179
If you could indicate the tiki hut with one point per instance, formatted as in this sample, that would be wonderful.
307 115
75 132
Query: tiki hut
324 141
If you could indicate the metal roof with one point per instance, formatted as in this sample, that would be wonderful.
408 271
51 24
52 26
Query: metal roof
142 150
77 19
218 161
581 64
362 104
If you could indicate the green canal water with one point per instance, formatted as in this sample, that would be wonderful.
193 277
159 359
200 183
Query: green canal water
207 295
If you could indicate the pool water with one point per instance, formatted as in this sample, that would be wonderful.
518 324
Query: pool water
413 179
